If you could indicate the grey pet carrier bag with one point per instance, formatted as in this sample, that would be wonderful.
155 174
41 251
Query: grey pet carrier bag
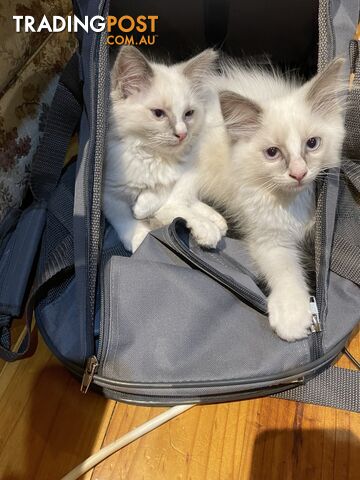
175 323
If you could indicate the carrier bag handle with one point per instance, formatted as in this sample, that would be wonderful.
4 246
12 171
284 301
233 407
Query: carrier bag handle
63 118
5 337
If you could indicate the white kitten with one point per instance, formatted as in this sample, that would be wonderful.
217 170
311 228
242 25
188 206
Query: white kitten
155 127
281 136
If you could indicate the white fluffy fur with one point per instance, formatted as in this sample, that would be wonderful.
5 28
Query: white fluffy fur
149 172
274 210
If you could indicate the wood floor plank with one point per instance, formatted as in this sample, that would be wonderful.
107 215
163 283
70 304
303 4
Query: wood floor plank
47 427
17 333
260 439
250 440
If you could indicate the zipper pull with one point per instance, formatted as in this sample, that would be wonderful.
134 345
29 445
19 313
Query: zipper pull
316 325
90 370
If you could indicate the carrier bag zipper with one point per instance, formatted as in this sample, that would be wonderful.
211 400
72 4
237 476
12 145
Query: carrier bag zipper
239 290
316 324
90 370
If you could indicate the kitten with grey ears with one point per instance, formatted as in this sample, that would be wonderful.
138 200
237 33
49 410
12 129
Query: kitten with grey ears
280 136
156 124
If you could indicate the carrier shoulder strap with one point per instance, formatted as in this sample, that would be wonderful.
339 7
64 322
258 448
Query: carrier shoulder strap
335 387
63 118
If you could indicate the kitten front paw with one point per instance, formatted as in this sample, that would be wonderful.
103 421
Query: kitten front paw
141 211
147 203
133 240
289 314
206 233
212 215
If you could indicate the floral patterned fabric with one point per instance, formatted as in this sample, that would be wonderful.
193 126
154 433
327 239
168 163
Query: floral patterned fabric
30 64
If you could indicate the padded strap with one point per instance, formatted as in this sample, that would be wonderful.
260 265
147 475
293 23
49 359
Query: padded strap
5 332
48 162
5 341
334 387
63 118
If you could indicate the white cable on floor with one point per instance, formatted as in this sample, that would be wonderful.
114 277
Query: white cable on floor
121 442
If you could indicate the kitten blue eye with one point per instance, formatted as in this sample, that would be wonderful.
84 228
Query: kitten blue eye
189 113
313 143
272 153
158 113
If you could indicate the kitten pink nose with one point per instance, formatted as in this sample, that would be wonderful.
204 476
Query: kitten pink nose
181 136
298 175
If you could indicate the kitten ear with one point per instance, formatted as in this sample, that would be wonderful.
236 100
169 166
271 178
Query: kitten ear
325 92
242 116
197 68
131 72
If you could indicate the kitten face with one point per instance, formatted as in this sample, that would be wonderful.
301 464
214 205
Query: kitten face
293 145
160 105
286 142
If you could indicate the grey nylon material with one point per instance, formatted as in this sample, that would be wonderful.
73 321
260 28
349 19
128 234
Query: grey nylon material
353 118
325 35
230 259
343 309
198 350
346 248
17 259
165 322
344 16
57 315
88 145
335 387
213 334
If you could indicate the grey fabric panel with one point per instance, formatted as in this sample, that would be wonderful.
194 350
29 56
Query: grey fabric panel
352 123
337 25
150 250
346 248
344 15
57 241
230 260
17 259
57 317
335 387
343 310
153 250
250 389
324 230
8 223
326 40
91 137
166 322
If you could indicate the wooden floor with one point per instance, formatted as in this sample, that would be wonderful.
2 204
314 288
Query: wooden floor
47 427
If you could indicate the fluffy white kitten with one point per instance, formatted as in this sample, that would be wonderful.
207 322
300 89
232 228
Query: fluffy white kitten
281 136
155 127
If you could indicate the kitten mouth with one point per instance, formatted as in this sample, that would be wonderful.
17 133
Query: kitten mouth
299 187
180 144
295 188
